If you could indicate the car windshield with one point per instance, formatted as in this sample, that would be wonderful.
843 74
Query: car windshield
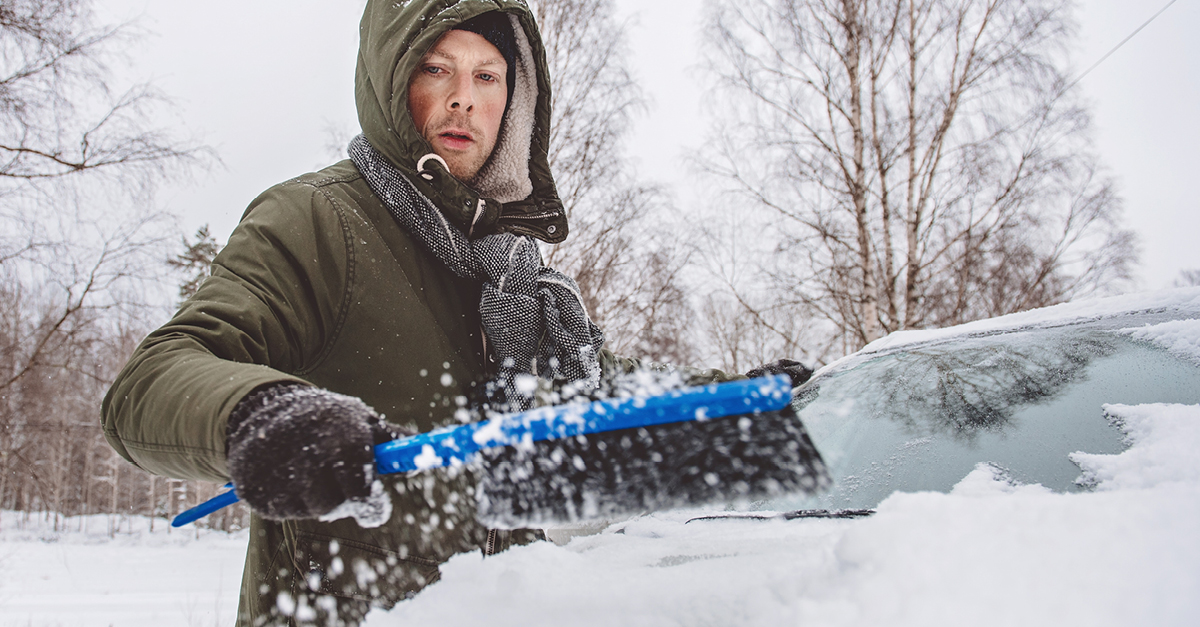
922 415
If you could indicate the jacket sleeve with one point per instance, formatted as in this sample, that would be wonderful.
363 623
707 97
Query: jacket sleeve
274 301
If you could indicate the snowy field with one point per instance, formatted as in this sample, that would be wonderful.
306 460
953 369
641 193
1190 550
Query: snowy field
991 552
80 576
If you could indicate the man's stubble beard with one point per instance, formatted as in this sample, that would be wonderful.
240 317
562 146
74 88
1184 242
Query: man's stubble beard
465 171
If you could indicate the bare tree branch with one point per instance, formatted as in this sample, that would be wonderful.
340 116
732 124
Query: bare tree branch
929 158
628 269
81 250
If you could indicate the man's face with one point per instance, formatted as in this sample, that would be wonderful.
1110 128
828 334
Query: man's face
456 97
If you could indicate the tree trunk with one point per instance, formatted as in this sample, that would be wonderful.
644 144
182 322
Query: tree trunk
868 294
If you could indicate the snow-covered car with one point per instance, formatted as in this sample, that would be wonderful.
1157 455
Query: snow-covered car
919 410
1037 468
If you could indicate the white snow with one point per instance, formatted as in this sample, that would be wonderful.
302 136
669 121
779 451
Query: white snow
428 458
370 512
79 576
1180 337
1165 439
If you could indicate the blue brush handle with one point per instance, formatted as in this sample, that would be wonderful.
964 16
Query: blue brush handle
217 502
457 444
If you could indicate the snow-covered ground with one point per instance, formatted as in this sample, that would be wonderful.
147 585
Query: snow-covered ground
990 552
82 576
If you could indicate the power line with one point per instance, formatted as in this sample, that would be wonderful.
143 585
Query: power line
1118 46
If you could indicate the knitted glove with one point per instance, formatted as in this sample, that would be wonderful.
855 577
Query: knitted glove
798 372
296 451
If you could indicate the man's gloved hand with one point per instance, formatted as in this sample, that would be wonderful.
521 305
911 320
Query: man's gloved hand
798 372
297 451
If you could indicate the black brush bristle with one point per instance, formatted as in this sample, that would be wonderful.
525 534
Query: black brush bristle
736 459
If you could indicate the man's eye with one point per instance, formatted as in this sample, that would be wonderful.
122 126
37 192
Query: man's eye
487 77
433 69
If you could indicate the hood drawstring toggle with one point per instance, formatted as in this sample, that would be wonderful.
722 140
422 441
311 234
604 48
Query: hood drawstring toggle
425 173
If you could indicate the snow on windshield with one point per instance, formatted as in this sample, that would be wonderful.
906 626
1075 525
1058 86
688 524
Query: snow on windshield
1179 337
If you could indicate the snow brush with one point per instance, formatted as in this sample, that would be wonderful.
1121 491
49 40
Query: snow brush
733 441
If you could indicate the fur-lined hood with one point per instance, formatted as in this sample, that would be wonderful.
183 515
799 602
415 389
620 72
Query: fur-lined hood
515 190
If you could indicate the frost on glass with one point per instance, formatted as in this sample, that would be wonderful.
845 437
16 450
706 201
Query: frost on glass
922 416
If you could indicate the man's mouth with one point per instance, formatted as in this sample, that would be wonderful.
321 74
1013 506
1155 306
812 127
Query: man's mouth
456 138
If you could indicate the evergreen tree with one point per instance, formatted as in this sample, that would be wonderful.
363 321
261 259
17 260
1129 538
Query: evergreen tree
195 261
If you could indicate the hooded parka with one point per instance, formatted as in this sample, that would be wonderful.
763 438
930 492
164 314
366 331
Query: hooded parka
319 285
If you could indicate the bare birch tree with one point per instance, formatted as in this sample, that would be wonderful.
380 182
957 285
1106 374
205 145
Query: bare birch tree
922 162
81 242
627 267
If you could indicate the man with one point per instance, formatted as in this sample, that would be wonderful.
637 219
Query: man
368 300
322 297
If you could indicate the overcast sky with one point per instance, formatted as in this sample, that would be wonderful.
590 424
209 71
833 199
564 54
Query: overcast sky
267 83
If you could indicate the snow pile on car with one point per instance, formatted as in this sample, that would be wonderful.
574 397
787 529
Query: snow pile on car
1184 300
991 552
1180 337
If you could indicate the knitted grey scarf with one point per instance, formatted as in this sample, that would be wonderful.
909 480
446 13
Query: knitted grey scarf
533 316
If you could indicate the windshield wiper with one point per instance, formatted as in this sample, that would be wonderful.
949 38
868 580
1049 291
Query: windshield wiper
800 513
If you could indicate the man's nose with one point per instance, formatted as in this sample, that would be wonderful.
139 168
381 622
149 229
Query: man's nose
462 94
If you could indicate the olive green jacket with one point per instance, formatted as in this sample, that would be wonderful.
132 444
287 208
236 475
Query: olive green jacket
317 284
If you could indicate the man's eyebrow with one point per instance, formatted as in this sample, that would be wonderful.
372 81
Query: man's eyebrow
450 57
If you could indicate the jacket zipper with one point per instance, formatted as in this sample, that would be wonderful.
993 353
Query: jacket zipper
537 216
